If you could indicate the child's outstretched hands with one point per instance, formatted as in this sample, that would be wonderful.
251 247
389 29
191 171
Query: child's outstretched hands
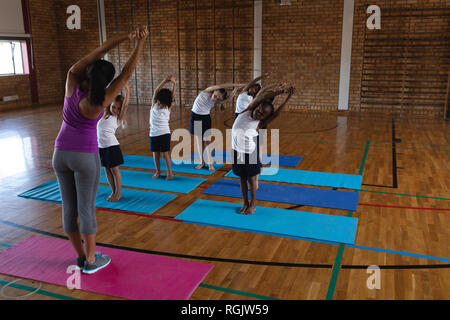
282 86
141 33
290 90
170 78
132 35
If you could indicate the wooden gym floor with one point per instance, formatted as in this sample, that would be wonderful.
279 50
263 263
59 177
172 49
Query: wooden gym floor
403 209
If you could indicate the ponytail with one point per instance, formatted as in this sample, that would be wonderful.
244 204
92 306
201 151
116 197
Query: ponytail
97 89
100 74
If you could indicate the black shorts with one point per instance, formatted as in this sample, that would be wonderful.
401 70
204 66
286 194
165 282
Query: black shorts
205 122
246 165
160 143
111 157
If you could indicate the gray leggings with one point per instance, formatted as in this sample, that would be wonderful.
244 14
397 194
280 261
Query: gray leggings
78 176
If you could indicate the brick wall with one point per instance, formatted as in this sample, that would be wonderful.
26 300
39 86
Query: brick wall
55 49
75 44
415 71
15 85
301 43
46 51
161 54
46 60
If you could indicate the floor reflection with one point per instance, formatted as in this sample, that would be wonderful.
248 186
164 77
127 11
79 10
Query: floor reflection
15 152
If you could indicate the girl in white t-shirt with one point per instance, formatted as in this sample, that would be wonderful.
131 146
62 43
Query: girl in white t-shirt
201 119
109 147
245 148
159 126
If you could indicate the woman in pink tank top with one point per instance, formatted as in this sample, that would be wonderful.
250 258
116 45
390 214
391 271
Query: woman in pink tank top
90 88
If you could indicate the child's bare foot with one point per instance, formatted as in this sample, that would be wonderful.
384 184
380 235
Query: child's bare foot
245 207
250 209
169 176
211 167
110 196
156 175
200 166
116 197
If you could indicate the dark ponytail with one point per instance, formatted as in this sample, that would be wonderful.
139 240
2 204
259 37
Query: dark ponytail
100 74
224 93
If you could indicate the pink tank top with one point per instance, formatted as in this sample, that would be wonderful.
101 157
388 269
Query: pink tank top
77 133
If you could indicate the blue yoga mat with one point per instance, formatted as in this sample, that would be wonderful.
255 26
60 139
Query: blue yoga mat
343 200
132 200
144 180
283 161
313 178
273 221
141 162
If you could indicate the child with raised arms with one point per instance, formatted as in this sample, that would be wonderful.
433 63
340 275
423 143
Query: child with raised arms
159 126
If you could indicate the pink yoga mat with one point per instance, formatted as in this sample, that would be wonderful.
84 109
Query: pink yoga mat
130 275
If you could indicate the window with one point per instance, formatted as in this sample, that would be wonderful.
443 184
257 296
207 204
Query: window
11 57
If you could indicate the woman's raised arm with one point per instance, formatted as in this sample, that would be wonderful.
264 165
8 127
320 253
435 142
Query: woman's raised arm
78 70
117 84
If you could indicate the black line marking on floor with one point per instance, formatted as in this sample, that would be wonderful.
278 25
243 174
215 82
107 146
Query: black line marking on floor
394 162
295 207
394 157
267 263
377 185
178 255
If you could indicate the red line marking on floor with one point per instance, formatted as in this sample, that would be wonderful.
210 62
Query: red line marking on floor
400 207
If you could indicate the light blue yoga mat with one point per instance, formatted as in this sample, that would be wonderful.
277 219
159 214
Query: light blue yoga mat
273 221
141 162
283 161
313 178
132 200
144 180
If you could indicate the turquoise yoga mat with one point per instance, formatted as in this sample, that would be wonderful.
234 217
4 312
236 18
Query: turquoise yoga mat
132 200
141 162
272 221
313 178
144 180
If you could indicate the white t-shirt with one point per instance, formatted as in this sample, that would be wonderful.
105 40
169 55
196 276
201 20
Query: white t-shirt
243 133
203 103
159 121
106 132
242 102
